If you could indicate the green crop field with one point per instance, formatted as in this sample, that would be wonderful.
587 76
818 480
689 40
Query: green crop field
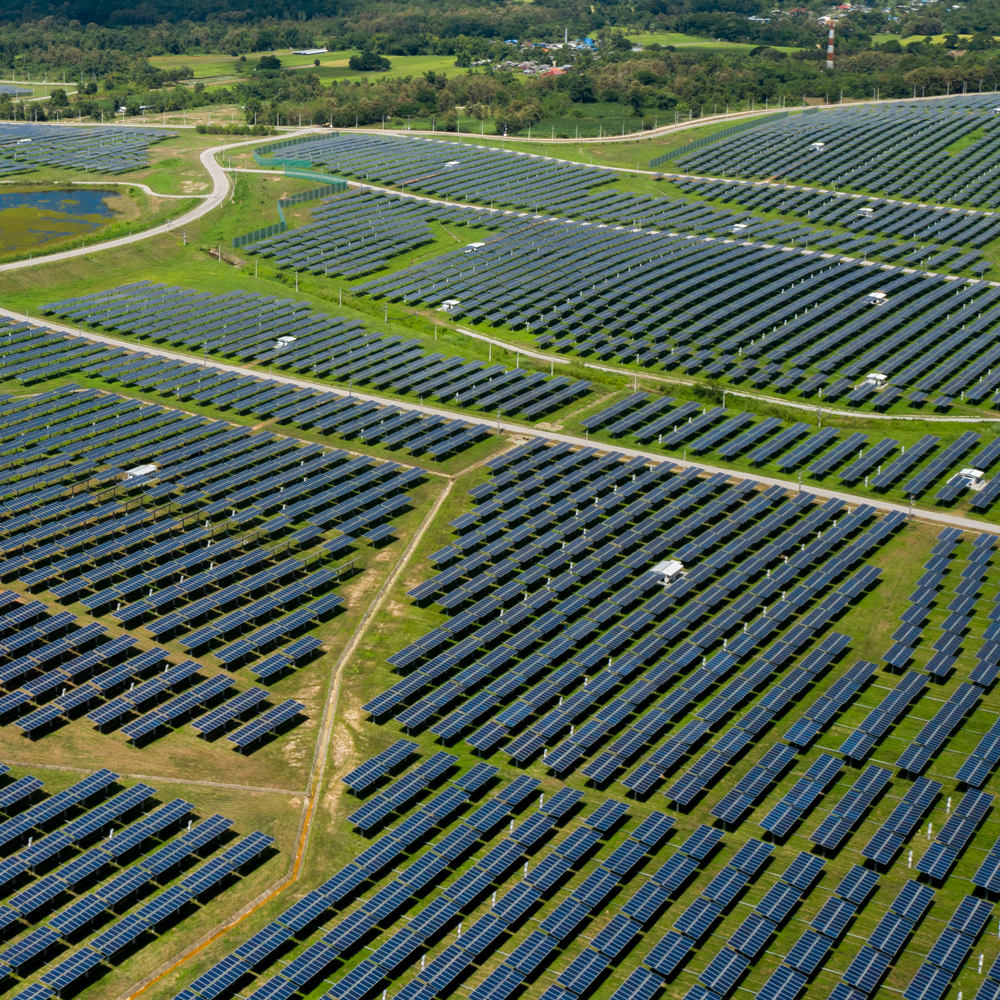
332 65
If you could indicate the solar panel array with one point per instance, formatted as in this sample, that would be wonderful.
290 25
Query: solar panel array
702 430
957 628
26 146
452 170
473 173
914 226
764 315
872 149
226 541
950 950
922 229
559 541
103 851
870 965
447 665
657 638
252 328
358 233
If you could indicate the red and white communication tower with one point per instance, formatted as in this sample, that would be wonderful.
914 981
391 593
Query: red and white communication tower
829 47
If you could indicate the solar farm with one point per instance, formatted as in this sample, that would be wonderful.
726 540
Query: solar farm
872 149
637 749
25 147
284 333
639 638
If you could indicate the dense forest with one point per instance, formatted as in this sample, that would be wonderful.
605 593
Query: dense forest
103 52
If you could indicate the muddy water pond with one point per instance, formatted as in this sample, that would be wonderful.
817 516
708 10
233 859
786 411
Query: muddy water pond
33 219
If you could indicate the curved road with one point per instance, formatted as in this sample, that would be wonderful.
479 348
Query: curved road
143 187
220 188
649 133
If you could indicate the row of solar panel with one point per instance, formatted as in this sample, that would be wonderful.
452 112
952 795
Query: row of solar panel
302 343
797 310
872 150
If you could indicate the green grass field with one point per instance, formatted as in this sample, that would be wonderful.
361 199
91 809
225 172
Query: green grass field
630 154
332 65
679 40
881 37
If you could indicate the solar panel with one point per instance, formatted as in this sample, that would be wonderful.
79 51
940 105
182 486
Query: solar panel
866 969
640 985
696 921
856 885
778 902
929 983
913 901
63 975
833 918
751 857
971 916
583 971
647 902
515 903
803 871
563 801
891 933
808 952
564 919
499 984
701 843
668 953
616 935
606 815
531 952
726 886
784 984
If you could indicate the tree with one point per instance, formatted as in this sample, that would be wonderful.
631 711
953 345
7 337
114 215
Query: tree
269 62
507 121
580 89
369 62
635 97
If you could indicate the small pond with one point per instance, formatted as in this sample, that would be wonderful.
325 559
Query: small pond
31 219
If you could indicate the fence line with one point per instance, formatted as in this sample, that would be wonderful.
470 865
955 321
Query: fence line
279 161
337 187
293 142
258 234
722 134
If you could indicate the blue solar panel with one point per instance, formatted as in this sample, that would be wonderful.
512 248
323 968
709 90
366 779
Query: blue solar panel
640 985
696 921
866 969
891 933
930 983
856 885
668 953
912 901
752 935
784 984
724 971
808 952
833 918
